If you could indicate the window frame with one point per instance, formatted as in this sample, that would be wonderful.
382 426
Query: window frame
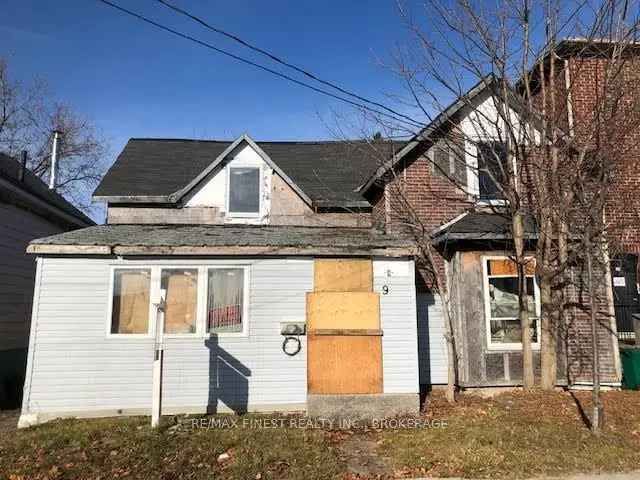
111 290
473 174
517 346
245 301
228 192
158 293
155 284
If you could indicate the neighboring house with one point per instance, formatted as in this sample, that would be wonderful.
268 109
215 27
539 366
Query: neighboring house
582 65
28 210
247 244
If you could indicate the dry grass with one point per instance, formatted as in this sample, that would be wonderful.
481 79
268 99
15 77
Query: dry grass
129 448
512 435
519 435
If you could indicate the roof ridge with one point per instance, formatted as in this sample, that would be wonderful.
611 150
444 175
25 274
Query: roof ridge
279 142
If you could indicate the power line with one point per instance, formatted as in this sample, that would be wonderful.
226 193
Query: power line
284 76
281 61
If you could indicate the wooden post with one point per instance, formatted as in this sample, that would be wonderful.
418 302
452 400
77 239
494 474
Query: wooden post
158 354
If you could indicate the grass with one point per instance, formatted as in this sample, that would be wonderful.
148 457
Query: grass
129 448
519 435
513 435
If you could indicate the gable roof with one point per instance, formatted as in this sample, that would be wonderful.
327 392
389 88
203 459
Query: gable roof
29 191
323 173
439 125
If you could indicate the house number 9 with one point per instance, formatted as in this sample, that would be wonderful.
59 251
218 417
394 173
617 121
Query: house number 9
385 289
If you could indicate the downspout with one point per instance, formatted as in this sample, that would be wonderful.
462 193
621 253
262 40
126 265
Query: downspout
567 85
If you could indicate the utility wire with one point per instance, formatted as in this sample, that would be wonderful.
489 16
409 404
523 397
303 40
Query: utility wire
412 123
281 61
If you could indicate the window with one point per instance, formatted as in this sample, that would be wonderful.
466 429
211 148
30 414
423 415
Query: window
180 290
501 302
492 165
244 190
130 302
226 300
449 160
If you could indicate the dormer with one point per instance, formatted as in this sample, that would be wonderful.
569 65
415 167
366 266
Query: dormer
238 182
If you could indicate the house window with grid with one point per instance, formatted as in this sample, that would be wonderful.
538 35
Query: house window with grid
501 303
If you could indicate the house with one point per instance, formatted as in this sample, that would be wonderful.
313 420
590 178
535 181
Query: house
248 244
28 210
474 245
280 279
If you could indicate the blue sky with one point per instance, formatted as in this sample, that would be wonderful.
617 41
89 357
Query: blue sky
135 81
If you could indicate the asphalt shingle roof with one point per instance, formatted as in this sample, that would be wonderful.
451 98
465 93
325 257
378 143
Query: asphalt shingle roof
10 171
327 172
483 226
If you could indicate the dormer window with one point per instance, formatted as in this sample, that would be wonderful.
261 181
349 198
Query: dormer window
244 191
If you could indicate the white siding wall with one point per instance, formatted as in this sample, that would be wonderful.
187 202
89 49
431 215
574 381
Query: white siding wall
17 270
74 367
398 320
432 347
213 193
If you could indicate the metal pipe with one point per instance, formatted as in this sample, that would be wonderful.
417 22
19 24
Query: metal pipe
54 159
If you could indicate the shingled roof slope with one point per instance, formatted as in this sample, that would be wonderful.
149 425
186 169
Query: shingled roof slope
10 170
327 172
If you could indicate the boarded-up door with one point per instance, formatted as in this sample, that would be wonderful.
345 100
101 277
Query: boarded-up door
344 353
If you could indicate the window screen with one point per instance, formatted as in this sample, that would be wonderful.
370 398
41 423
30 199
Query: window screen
244 190
130 307
225 300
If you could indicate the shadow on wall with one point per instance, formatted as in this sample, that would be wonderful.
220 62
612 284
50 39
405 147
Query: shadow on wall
228 379
424 301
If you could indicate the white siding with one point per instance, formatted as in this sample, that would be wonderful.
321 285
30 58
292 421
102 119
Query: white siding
398 320
74 367
432 347
17 271
213 193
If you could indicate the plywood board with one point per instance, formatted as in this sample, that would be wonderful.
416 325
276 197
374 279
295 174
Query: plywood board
344 364
343 275
343 310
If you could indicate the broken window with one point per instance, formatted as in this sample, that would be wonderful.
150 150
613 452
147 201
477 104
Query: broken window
226 300
244 190
130 302
492 168
180 288
501 302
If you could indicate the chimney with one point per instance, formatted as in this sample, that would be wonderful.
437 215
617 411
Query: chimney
54 158
23 166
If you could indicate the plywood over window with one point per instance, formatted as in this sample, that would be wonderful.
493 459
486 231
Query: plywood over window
130 309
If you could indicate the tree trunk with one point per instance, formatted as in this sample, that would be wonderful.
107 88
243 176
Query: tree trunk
548 361
595 416
528 380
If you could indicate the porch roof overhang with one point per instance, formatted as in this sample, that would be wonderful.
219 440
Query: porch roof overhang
223 240
481 226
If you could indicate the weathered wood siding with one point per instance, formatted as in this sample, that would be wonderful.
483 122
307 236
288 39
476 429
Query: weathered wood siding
17 270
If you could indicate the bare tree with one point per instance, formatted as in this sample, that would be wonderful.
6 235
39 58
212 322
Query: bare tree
29 115
537 161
